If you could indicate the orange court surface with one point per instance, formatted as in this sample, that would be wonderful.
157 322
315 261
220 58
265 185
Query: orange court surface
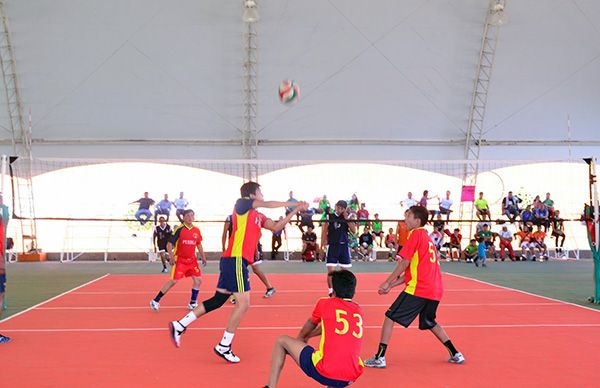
103 334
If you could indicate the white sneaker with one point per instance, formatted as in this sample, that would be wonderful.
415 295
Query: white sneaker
458 358
269 292
376 362
154 305
226 354
192 306
176 329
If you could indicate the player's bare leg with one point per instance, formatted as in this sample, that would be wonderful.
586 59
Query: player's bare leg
164 260
456 357
241 306
283 346
378 361
263 278
330 270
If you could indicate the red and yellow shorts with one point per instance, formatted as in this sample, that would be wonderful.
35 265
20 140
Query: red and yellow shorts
185 268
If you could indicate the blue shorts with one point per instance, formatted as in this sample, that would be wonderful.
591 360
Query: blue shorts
2 284
233 275
338 255
308 367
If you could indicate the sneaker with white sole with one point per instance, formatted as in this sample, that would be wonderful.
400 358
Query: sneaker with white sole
269 292
225 353
4 339
192 306
154 305
458 358
376 362
176 330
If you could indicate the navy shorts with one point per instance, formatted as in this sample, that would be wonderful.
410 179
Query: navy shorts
406 307
233 275
308 367
2 284
338 255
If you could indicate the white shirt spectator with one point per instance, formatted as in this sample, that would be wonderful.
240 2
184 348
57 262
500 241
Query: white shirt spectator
409 202
446 203
506 235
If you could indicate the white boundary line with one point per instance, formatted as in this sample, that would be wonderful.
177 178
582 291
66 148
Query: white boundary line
249 328
524 292
53 298
212 291
254 306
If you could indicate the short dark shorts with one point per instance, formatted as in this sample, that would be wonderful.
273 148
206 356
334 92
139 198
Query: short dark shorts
233 275
406 307
308 367
338 255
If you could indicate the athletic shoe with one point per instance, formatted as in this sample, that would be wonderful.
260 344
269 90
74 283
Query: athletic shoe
154 305
227 355
232 299
458 358
4 339
176 329
269 292
376 362
192 306
165 270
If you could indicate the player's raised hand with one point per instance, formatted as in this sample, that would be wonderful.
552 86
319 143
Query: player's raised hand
302 206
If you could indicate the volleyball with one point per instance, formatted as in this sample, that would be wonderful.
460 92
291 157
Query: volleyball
289 91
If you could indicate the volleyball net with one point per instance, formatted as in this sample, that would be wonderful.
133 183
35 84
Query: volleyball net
88 205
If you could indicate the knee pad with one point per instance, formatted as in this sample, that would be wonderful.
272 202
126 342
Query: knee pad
215 302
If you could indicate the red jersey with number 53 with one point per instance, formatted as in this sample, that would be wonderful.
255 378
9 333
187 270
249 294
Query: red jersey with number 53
423 277
338 356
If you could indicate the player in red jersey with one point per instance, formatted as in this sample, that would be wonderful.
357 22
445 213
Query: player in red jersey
337 362
233 277
419 267
186 239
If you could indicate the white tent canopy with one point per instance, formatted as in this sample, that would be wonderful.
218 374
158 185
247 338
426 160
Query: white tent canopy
385 72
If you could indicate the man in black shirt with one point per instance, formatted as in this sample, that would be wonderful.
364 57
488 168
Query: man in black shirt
335 236
144 209
160 238
365 244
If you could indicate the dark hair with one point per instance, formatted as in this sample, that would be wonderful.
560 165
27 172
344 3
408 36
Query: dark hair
248 188
421 213
344 284
187 211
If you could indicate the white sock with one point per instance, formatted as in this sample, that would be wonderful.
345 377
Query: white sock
191 317
227 339
331 290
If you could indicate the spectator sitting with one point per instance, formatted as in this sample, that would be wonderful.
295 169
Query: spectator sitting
488 238
510 206
291 198
309 242
363 214
549 203
482 207
391 241
163 207
454 243
506 238
470 252
541 216
527 216
538 240
180 205
306 219
439 224
353 245
324 208
378 229
144 209
525 243
365 241
480 225
445 204
409 201
353 203
438 239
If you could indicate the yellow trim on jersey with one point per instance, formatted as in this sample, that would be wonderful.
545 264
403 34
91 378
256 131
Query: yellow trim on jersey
240 233
318 354
173 271
239 274
175 245
412 284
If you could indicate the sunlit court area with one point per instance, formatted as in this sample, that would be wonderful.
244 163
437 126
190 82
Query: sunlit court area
258 193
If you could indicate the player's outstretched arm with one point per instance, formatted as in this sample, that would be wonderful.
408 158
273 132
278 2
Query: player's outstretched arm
309 330
279 225
273 204
398 273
